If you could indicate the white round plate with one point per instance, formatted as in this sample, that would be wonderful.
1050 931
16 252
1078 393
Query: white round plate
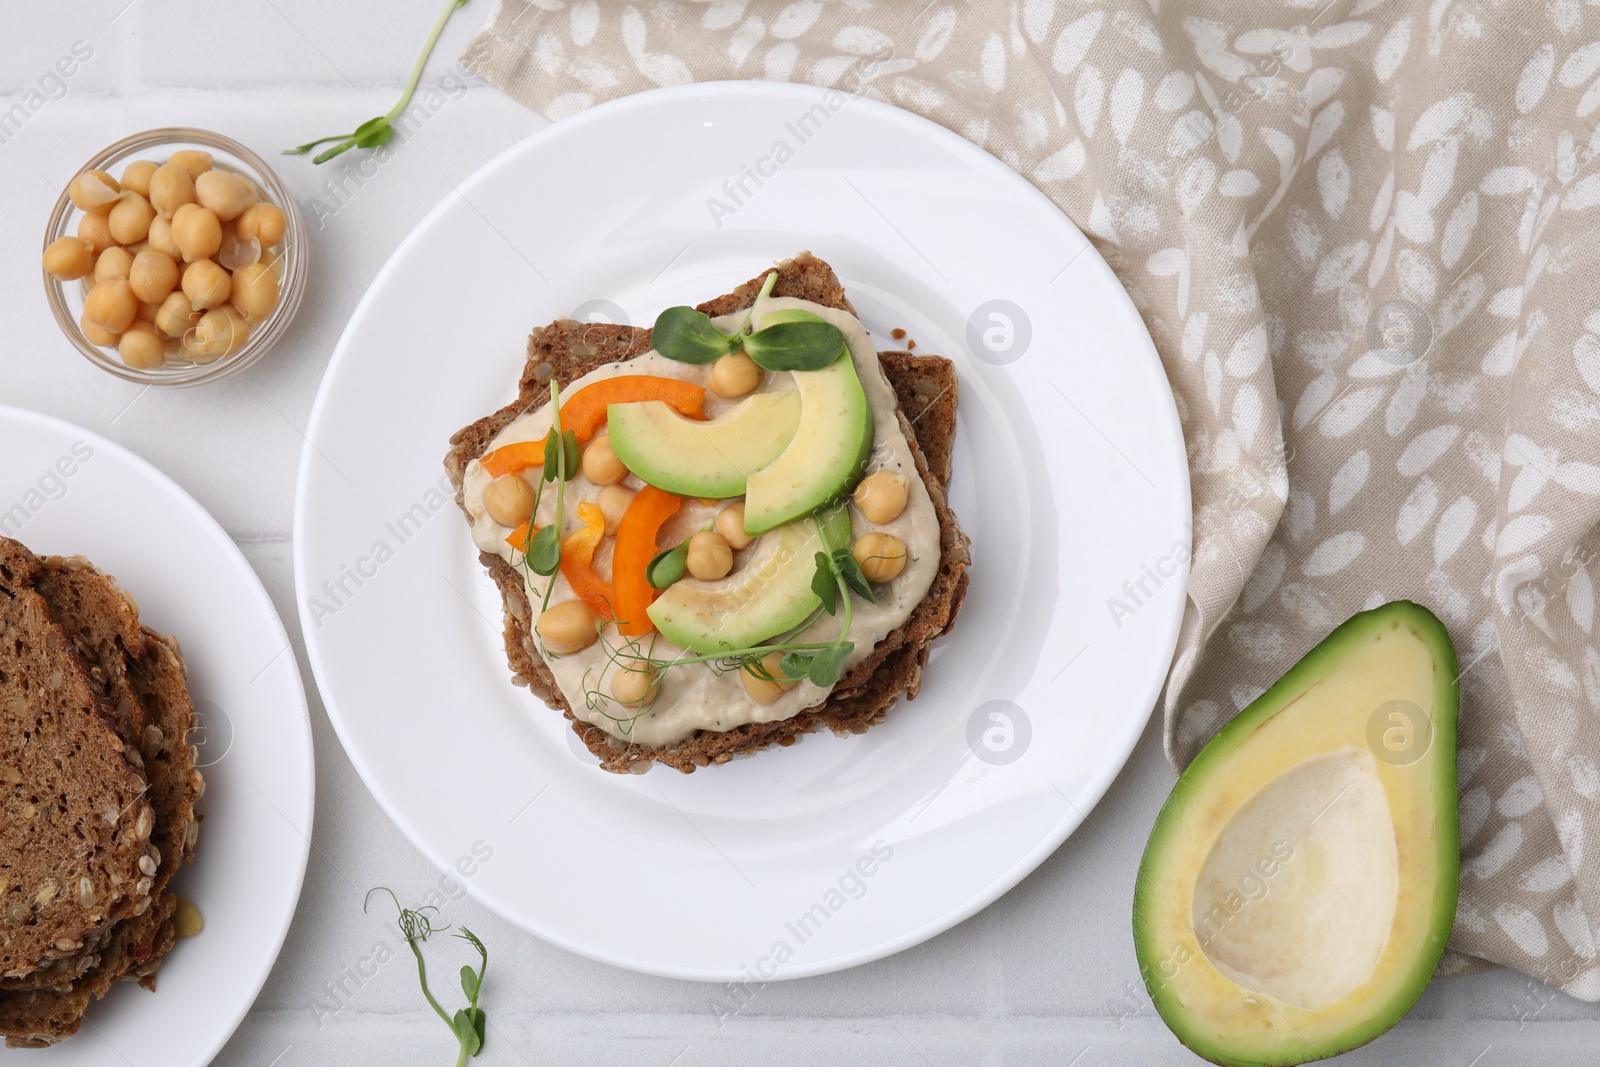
1069 475
66 491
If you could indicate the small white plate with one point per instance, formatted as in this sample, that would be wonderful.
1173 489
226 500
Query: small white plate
1070 476
66 491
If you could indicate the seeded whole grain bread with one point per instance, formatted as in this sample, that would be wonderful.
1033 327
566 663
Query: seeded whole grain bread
76 817
100 628
144 681
925 388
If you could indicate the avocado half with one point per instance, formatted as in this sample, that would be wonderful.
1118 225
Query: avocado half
1300 882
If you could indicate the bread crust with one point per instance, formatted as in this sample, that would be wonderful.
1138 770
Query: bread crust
925 389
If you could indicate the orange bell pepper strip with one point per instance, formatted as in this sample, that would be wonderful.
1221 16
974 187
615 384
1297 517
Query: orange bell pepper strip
577 558
585 412
577 562
636 547
522 536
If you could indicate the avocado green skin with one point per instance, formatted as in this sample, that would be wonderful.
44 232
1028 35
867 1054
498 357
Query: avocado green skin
778 606
1213 759
835 393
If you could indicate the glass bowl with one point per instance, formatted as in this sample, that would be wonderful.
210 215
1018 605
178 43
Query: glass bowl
67 297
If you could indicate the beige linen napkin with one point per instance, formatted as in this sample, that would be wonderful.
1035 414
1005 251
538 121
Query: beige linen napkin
1363 234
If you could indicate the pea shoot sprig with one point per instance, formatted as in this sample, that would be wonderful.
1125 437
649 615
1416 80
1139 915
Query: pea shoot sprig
837 575
375 132
541 551
788 340
467 1024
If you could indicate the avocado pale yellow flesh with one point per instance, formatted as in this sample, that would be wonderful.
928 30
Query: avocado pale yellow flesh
827 456
769 595
710 458
1300 882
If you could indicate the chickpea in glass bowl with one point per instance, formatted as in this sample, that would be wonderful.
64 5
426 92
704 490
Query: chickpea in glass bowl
174 257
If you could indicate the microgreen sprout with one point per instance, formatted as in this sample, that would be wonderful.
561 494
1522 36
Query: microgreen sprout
375 132
794 340
540 552
469 1023
562 447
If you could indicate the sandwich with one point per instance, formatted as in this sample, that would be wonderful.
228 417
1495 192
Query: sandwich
723 532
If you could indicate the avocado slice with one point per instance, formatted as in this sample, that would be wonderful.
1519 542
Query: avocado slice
1300 882
771 594
827 456
709 458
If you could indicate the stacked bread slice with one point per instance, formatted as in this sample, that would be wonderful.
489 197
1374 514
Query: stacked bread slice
98 785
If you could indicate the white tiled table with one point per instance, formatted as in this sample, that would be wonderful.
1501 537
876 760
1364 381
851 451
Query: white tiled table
1044 975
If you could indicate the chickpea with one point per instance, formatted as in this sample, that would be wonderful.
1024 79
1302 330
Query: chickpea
225 195
730 524
95 227
613 501
176 315
710 557
600 464
761 690
114 262
111 304
508 500
130 219
567 628
161 237
93 190
255 291
171 187
733 375
196 232
137 175
220 332
206 284
153 275
881 496
192 160
147 312
69 258
237 252
96 333
882 556
265 222
141 347
635 687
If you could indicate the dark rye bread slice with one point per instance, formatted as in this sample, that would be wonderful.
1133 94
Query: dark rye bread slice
925 388
76 818
39 1018
105 628
155 714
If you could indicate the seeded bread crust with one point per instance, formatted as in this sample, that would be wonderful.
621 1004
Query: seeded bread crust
145 680
39 1018
134 948
77 820
925 388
